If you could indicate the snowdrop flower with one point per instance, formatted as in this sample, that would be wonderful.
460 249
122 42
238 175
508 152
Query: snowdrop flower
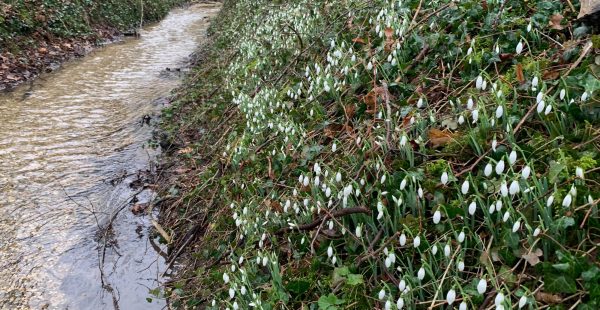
388 262
329 251
420 103
514 188
370 66
500 167
334 147
225 278
383 177
333 260
512 158
231 293
338 177
358 231
451 296
519 48
447 250
403 184
499 111
482 286
537 232
306 181
402 240
437 216
534 83
388 305
526 172
516 226
402 285
470 104
567 200
444 178
499 299
550 201
461 237
421 273
529 27
475 116
400 303
498 205
563 92
487 171
382 294
472 207
504 189
522 301
469 51
461 266
479 82
461 120
420 192
540 106
584 96
506 216
403 140
417 242
579 172
327 192
434 249
379 210
465 187
463 306
494 144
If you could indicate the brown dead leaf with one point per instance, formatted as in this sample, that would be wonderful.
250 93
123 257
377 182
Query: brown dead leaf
332 130
186 150
533 258
370 100
588 7
389 39
42 50
350 111
273 205
555 21
439 138
547 298
519 73
550 75
358 40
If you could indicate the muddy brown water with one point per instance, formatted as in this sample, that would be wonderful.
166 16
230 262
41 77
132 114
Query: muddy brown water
71 145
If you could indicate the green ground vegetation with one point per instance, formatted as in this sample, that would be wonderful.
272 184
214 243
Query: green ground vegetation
362 154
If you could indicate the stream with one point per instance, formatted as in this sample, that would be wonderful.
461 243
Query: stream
74 155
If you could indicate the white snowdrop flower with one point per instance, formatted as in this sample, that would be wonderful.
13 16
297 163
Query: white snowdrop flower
382 294
451 296
494 145
393 258
540 106
500 167
338 177
469 51
573 191
516 226
522 301
498 205
400 303
506 216
463 306
537 232
482 286
329 251
388 305
434 249
214 303
461 237
403 140
529 26
388 262
383 177
231 293
567 200
479 82
519 48
402 240
420 192
370 66
327 192
417 242
225 278
548 109
525 172
461 266
334 260
465 187
539 98
579 172
421 273
514 187
420 103
330 225
358 231
444 178
402 285
235 305
461 120
487 171
475 116
499 111
306 181
403 184
472 207
447 250
437 215
499 299
265 261
550 201
470 103
241 260
563 92
534 83
512 158
503 189
584 96
334 147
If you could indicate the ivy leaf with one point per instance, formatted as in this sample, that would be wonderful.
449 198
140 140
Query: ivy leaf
555 283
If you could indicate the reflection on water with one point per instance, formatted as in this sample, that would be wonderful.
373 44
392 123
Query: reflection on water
70 145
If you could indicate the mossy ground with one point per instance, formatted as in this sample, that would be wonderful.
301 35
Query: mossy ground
387 154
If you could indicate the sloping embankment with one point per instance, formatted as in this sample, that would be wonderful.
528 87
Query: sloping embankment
388 154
